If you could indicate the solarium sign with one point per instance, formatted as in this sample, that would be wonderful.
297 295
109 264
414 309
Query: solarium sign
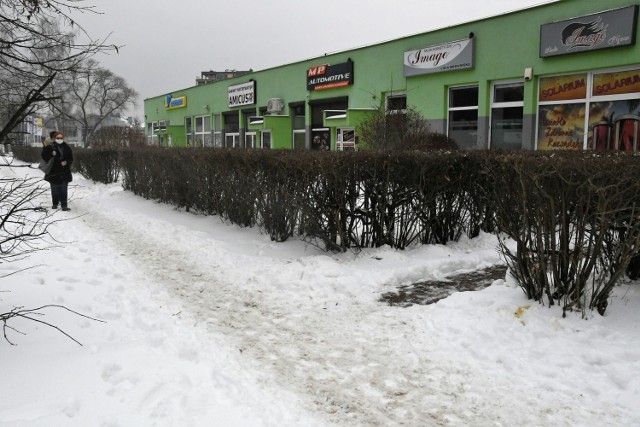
456 55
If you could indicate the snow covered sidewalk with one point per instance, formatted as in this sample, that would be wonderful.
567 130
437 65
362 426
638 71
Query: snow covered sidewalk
209 324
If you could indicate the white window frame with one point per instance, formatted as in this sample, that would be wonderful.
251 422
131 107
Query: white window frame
250 139
395 95
293 137
496 105
465 108
262 135
204 135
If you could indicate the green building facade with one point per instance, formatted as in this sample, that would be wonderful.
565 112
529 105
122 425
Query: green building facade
564 75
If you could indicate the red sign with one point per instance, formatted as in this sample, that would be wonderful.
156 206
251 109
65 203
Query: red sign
318 70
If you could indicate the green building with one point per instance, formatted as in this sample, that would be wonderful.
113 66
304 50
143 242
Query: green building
563 75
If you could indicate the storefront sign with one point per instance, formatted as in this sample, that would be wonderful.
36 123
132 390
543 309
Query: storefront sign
325 76
242 94
170 102
451 56
612 28
563 88
616 83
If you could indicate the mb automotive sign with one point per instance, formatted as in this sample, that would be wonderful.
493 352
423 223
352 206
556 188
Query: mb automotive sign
242 94
611 28
450 56
326 76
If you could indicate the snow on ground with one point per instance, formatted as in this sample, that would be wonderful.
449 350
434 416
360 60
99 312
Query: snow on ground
208 324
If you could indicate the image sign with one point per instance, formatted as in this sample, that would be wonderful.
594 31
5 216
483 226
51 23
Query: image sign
604 30
456 55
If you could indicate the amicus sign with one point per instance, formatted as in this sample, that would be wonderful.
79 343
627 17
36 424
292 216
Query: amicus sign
456 55
242 94
612 28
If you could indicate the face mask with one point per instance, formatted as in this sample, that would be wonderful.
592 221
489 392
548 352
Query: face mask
59 140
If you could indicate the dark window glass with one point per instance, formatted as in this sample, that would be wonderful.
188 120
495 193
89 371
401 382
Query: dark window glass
508 93
506 128
463 97
395 103
463 128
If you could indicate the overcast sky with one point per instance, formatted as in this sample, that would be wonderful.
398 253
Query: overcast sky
167 43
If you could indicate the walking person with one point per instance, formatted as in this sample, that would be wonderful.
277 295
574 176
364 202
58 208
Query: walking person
60 174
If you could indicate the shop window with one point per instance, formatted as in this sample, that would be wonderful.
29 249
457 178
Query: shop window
250 140
232 130
299 139
507 114
232 140
346 139
217 133
152 138
297 116
320 139
599 110
562 112
202 134
614 111
463 116
396 103
265 137
188 126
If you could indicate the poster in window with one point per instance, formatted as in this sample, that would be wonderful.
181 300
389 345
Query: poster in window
619 83
563 88
614 125
320 140
561 126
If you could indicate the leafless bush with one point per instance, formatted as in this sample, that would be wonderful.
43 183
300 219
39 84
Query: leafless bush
574 221
407 130
117 137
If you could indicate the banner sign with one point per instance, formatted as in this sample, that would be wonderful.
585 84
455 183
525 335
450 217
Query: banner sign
456 55
563 88
326 76
616 83
608 29
170 102
242 94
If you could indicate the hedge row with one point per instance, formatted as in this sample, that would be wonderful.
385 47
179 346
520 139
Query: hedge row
572 216
338 200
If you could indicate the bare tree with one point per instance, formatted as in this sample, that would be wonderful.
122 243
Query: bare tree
34 50
401 130
91 95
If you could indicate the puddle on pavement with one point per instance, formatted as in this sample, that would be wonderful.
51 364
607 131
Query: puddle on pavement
431 291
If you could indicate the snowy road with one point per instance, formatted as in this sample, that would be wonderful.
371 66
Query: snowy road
210 324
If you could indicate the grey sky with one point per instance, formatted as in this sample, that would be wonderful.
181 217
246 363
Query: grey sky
167 43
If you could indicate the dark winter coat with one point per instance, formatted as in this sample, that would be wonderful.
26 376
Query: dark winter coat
58 173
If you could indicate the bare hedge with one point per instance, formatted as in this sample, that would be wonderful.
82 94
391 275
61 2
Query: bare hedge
568 222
